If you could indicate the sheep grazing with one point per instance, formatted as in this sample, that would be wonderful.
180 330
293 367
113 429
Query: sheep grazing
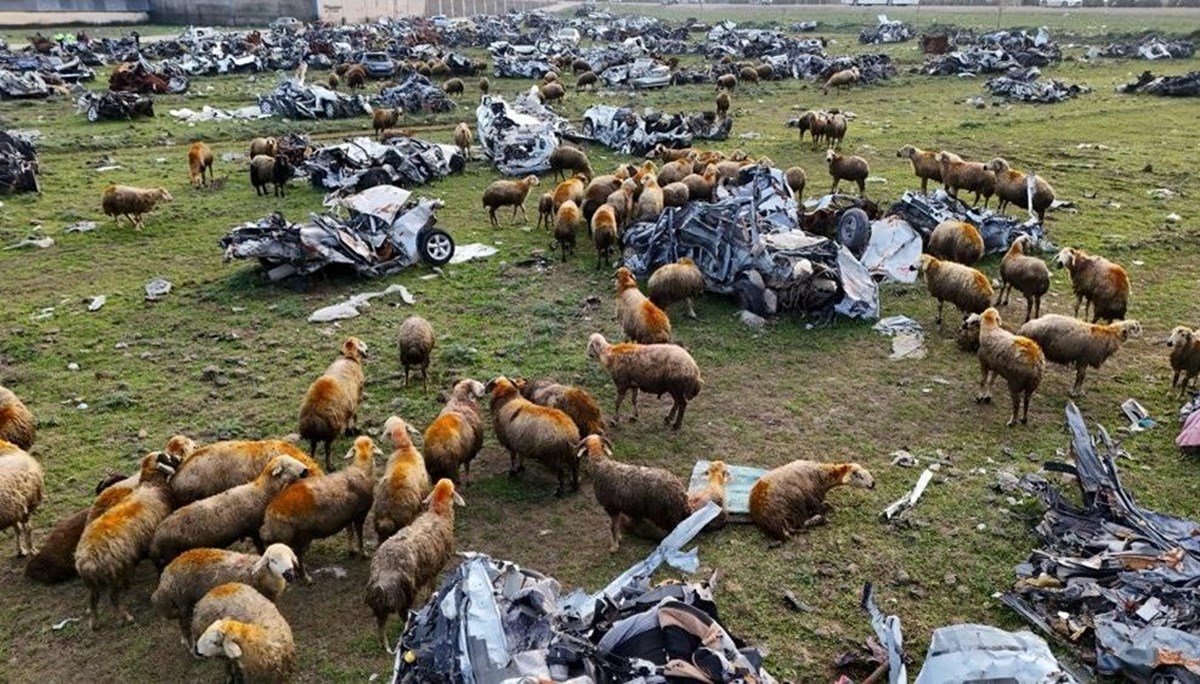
17 424
504 193
356 77
55 561
220 466
604 234
22 485
796 180
404 484
851 168
964 287
841 79
334 81
330 406
416 346
579 406
713 491
580 65
956 241
527 430
567 222
652 368
835 129
1028 274
410 560
765 72
791 497
572 189
630 494
114 541
966 175
383 119
454 438
649 204
552 92
925 165
222 519
236 623
1019 360
546 210
1072 342
315 508
723 104
131 202
193 574
640 318
549 77
200 160
1102 284
748 74
1013 186
264 146
586 79
1185 357
675 195
671 283
463 138
565 159
484 85
454 86
274 171
727 82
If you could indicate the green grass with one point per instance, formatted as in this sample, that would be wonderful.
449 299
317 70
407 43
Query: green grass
826 393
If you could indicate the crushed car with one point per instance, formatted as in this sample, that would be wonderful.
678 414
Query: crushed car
886 31
416 94
624 130
1187 85
1151 48
1025 85
18 164
924 213
520 137
142 77
295 100
16 85
114 105
362 163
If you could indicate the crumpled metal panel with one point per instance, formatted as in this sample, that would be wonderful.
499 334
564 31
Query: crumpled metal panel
1187 85
18 164
294 100
924 213
520 137
1024 85
624 130
362 163
965 653
416 94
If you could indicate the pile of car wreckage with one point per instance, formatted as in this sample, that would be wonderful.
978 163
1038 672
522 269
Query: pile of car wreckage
1025 85
1151 47
114 105
140 76
520 137
887 31
416 94
994 53
362 163
18 164
1187 85
296 100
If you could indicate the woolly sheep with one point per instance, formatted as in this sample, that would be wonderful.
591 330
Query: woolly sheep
1019 360
463 138
454 438
356 77
552 92
967 289
131 202
274 171
1012 186
17 424
956 241
714 491
925 165
675 195
1028 274
570 190
484 85
55 561
546 210
22 486
630 494
453 86
416 345
527 430
267 146
597 192
748 74
587 78
385 118
1102 284
642 321
504 193
650 203
727 81
220 466
813 122
671 283
700 185
723 104
579 406
1185 357
580 65
240 625
565 158
675 171
841 79
652 368
200 160
791 497
604 234
848 167
669 154
404 484
796 180
621 200
567 222
966 175
330 406
1072 342
835 129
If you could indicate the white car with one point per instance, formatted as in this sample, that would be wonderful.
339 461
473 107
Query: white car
568 35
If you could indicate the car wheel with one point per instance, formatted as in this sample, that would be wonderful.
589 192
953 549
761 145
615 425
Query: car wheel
436 247
588 128
1173 675
93 114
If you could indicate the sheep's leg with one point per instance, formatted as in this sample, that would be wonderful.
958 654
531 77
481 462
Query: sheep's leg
939 315
93 607
406 375
691 309
466 478
1025 410
679 408
1029 305
425 377
862 188
1175 381
328 455
615 530
20 535
835 184
1078 301
515 208
558 492
381 626
492 217
1016 405
633 398
984 396
30 549
1080 373
114 595
616 418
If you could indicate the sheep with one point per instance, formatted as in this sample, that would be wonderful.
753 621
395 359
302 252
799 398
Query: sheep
114 541
675 171
356 77
404 484
723 104
841 79
630 494
334 81
200 159
131 202
266 170
503 193
729 170
383 119
714 491
567 221
22 486
330 406
1019 360
1013 186
1185 357
680 281
1072 342
727 82
700 186
642 320
847 167
315 508
675 195
549 77
669 154
571 189
597 192
191 575
416 346
966 175
956 241
454 86
546 210
580 65
835 129
527 430
222 519
17 424
604 234
454 438
264 146
1027 274
813 122
925 165
621 200
1104 285
439 69
579 406
551 92
55 561
484 86
652 368
587 78
964 287
411 560
235 622
791 497
217 467
796 180
765 72
748 74
463 138
566 158
649 204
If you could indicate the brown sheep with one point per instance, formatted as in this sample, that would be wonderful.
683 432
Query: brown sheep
484 85
956 241
546 210
966 175
587 79
17 424
131 202
411 560
570 190
404 484
264 146
275 171
565 158
604 234
727 82
925 165
1072 342
675 171
650 203
383 119
567 222
1012 186
680 281
967 289
1185 357
729 169
700 186
504 193
416 346
463 138
579 406
835 129
765 72
841 79
55 561
454 86
214 468
1028 274
723 104
549 77
541 433
356 77
713 491
848 167
552 92
642 321
652 368
813 122
1103 284
22 486
580 65
236 623
630 494
670 154
454 438
791 497
330 406
1019 360
200 160
796 180
747 74
439 69
621 200
334 81
597 192
675 195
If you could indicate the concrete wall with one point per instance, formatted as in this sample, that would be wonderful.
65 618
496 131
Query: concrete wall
229 12
352 11
75 5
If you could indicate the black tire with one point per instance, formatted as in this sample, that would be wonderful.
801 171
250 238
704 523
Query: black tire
436 247
1172 674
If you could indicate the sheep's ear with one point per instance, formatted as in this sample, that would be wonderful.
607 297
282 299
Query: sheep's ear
232 650
477 388
581 448
608 446
276 470
458 500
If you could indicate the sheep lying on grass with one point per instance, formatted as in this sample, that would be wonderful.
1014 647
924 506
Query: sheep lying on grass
236 623
792 497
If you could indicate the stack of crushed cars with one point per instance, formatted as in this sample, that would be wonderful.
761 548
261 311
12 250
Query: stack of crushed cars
886 32
1187 85
31 74
296 100
624 130
363 163
416 94
994 53
140 76
1151 47
1023 85
520 137
113 105
924 213
18 164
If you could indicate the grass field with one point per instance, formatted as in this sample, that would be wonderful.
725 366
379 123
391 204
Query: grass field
791 391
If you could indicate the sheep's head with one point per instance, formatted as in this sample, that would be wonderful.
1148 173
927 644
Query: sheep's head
996 165
363 450
830 155
354 349
108 481
593 447
469 388
215 642
443 497
854 475
625 279
686 261
532 180
181 447
163 195
718 473
1181 336
286 469
280 560
924 263
596 345
944 157
629 185
990 318
500 387
156 467
738 155
1130 329
906 151
1065 258
650 181
398 431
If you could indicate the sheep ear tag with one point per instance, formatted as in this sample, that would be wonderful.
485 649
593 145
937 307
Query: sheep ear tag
232 650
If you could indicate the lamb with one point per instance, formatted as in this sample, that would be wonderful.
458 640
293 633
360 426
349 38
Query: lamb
792 496
131 202
484 86
454 438
925 165
330 406
796 180
1019 360
680 281
384 118
604 234
193 574
404 484
841 79
1185 357
235 622
630 494
675 171
525 429
723 104
264 146
55 561
675 194
700 186
1028 274
200 159
964 287
565 158
966 175
579 406
463 138
714 491
315 508
454 86
1073 342
551 92
835 129
17 424
1103 284
652 368
587 78
956 241
22 486
220 466
727 82
851 168
650 202
504 193
411 560
222 519
275 171
416 346
114 541
640 318
1013 186
566 222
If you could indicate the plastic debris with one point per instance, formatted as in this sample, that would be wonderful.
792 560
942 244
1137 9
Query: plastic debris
1139 418
80 227
40 243
97 302
14 85
157 289
62 624
472 252
910 499
737 489
352 307
207 113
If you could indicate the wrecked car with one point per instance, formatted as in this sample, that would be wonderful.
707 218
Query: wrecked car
520 137
362 163
887 31
416 94
142 77
295 100
1025 85
110 105
635 134
1187 85
18 164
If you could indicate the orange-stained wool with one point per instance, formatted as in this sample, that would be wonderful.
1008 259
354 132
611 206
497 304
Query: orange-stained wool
296 499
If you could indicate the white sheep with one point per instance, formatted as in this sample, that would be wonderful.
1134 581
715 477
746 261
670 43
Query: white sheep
21 489
240 625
